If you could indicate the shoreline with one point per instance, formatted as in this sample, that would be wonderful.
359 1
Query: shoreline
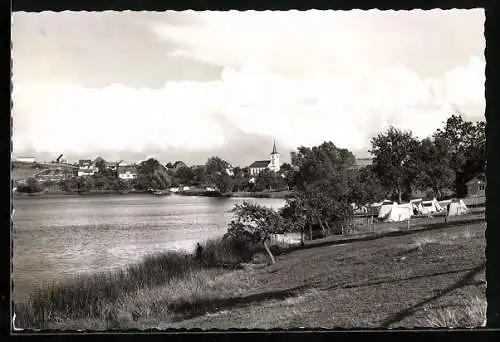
277 194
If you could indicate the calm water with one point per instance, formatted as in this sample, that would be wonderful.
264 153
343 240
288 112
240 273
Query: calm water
56 238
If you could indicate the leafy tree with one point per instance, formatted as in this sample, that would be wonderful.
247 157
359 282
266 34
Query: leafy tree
393 161
434 170
215 165
184 175
322 184
238 172
151 174
100 163
256 223
215 170
200 177
269 180
85 184
364 186
468 149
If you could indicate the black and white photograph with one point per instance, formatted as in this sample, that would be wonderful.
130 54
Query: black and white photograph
248 170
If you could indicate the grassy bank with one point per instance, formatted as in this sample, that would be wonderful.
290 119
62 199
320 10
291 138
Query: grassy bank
102 297
424 278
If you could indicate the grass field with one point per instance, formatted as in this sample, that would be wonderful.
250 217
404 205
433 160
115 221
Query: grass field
424 278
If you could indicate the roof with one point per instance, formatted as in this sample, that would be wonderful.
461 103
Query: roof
84 161
260 164
127 168
275 151
479 178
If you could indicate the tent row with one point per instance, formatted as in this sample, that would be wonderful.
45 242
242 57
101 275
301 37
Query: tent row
389 211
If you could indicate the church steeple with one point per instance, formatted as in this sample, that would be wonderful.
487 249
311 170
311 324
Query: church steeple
274 164
275 151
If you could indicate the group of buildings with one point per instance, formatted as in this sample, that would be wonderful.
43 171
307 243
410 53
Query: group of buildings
61 168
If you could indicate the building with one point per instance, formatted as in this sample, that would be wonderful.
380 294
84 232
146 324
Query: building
127 172
230 170
112 166
25 159
361 163
476 187
86 168
260 165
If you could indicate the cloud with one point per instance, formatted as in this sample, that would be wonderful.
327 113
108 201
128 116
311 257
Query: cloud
301 77
53 116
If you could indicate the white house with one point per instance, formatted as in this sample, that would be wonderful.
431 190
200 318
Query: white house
127 172
86 168
260 165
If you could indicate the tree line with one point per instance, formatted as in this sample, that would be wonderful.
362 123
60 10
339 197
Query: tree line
327 180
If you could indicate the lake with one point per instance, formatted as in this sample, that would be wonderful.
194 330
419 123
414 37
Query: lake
55 238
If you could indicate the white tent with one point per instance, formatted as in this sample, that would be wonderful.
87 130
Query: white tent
431 207
444 203
416 206
399 212
457 207
385 209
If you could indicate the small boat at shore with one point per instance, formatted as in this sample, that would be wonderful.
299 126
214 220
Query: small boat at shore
161 192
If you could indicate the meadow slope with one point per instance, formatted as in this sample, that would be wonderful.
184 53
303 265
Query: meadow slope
432 278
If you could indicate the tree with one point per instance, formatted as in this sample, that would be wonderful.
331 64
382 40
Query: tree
434 170
364 186
256 223
393 159
468 149
184 175
85 184
269 180
151 174
200 177
215 165
100 163
322 184
215 170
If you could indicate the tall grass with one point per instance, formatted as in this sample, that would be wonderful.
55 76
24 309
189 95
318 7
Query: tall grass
471 314
90 296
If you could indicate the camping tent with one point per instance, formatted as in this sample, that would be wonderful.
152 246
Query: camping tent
416 206
399 212
385 209
457 207
444 204
431 207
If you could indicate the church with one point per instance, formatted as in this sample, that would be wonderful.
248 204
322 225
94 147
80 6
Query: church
260 165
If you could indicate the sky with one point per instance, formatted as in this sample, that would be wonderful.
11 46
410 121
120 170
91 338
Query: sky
191 85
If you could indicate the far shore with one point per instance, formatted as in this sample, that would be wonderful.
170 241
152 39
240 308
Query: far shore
202 193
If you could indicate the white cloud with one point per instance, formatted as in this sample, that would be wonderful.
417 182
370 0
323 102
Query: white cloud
348 111
303 77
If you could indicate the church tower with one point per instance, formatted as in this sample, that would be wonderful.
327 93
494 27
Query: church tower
275 159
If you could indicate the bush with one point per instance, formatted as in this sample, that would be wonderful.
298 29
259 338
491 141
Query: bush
32 186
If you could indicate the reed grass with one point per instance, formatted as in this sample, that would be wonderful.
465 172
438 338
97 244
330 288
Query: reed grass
94 296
